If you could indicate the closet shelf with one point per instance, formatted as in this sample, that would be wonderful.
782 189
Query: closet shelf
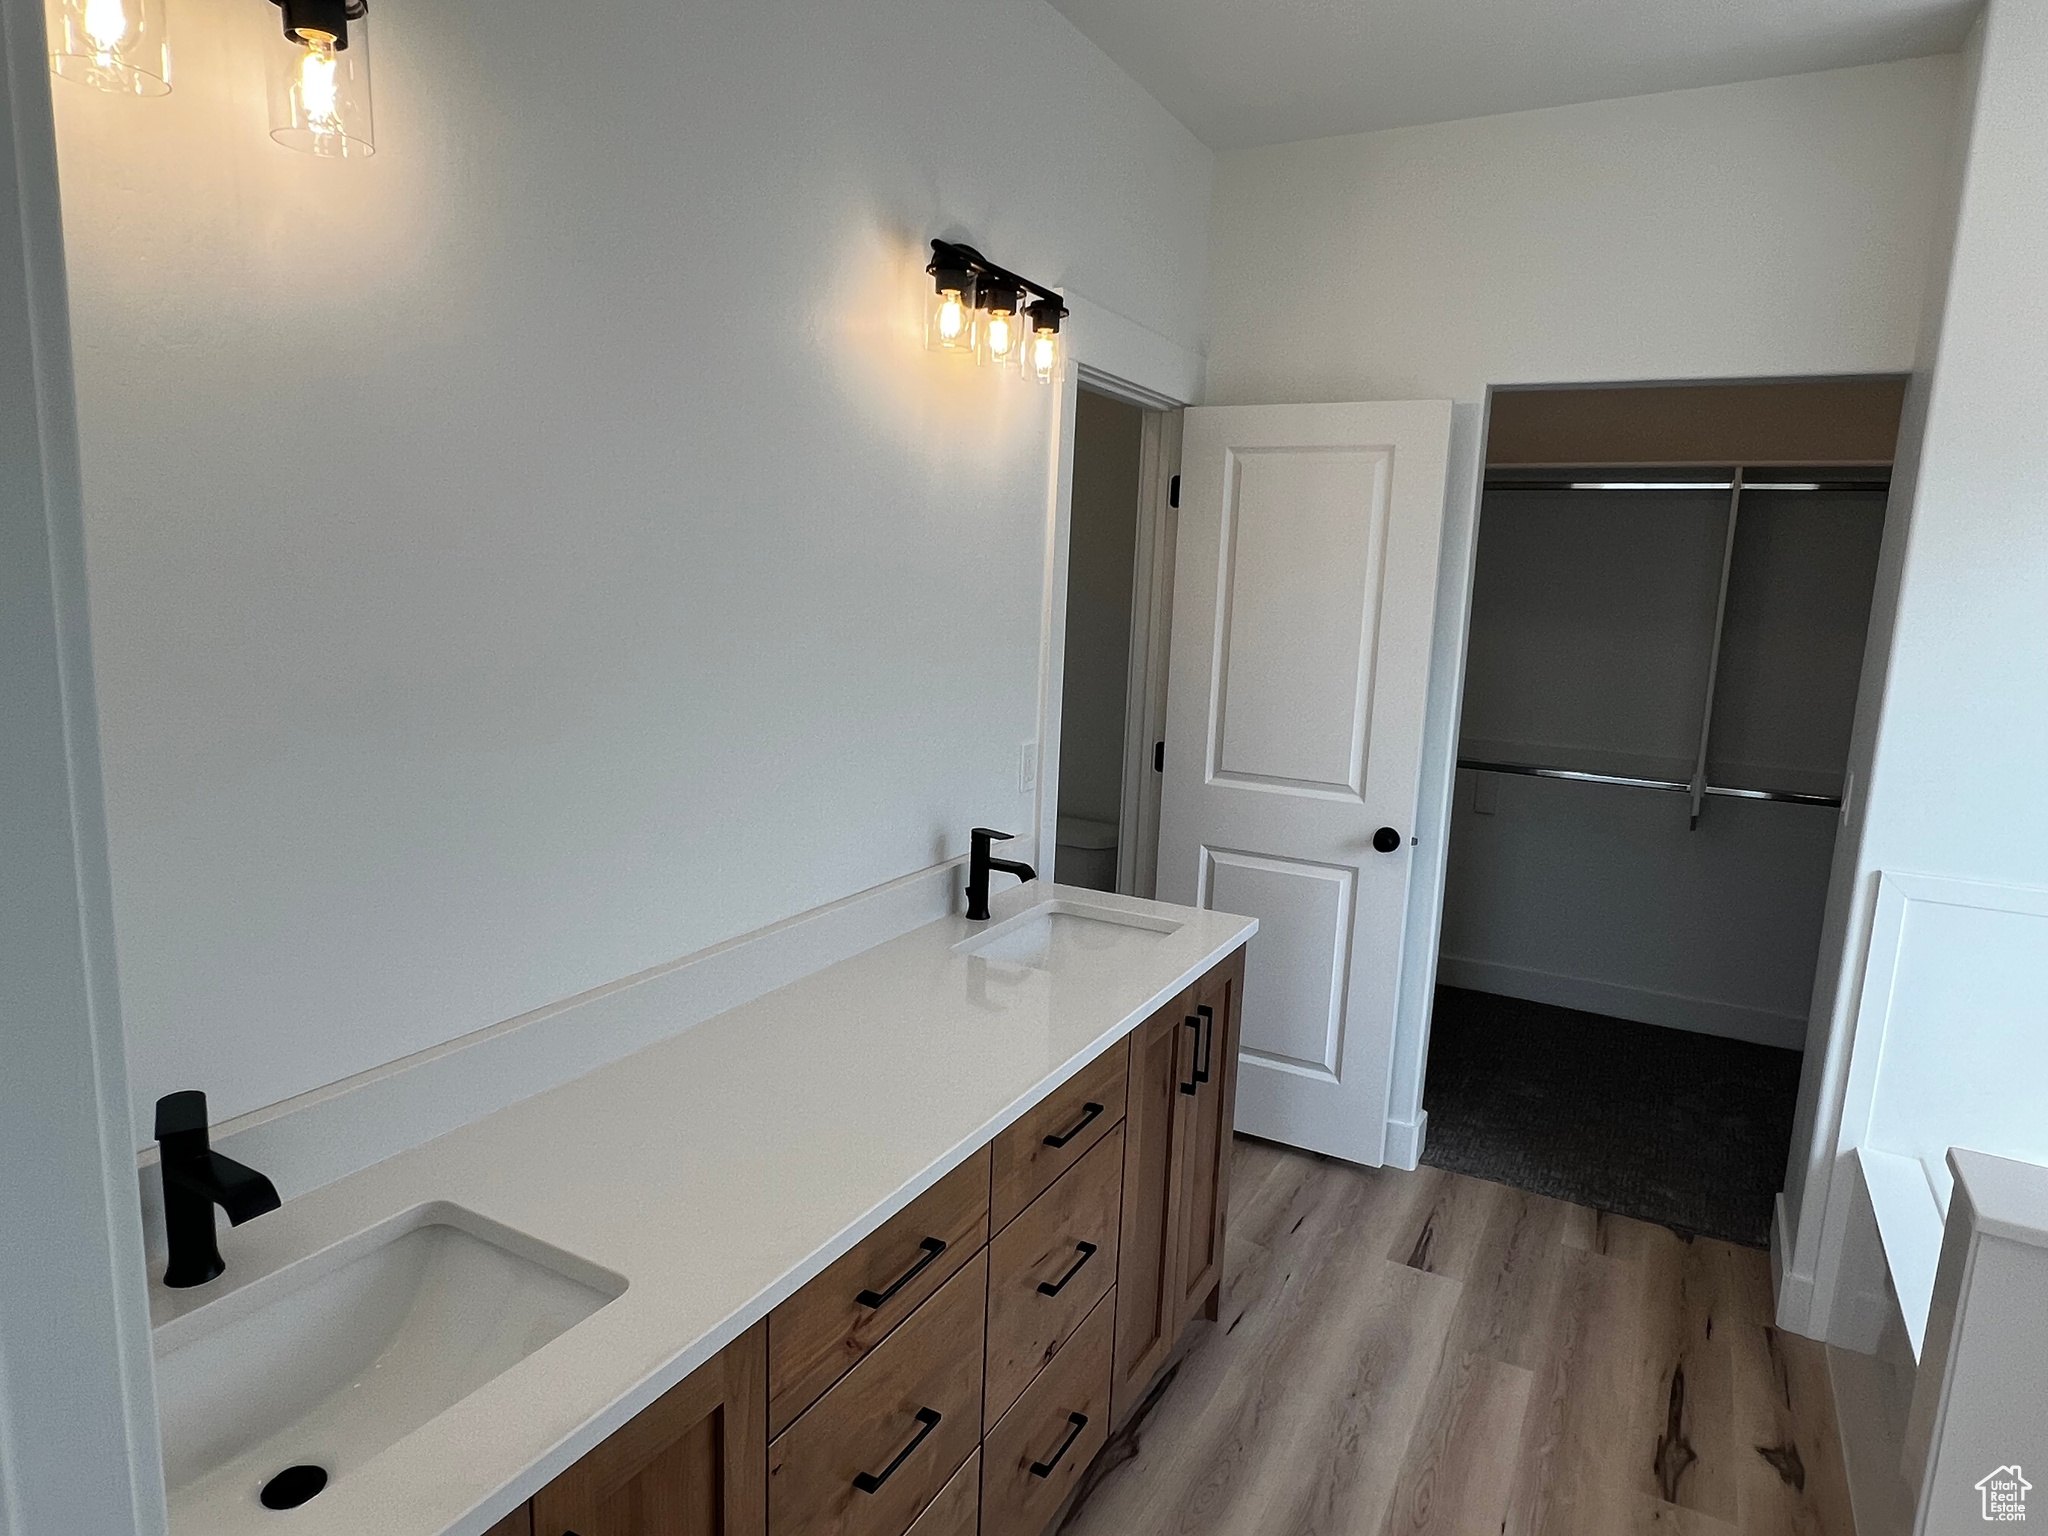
1669 786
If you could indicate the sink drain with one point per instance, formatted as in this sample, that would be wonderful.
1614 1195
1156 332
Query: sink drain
293 1486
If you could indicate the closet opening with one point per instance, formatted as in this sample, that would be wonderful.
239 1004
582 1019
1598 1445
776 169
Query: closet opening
1671 595
1113 678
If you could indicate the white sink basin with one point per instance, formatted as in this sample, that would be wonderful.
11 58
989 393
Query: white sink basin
333 1357
1063 932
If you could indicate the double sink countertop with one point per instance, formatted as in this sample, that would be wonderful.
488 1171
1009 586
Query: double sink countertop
719 1170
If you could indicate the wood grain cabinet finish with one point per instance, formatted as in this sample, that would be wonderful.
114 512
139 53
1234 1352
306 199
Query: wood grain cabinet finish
1037 1451
1147 1317
1048 1269
1050 1139
874 1451
940 1381
957 1509
829 1326
1207 1114
692 1464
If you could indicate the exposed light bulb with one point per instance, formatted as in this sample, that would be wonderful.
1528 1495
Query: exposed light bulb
106 23
318 94
1044 359
112 45
1002 335
320 84
952 316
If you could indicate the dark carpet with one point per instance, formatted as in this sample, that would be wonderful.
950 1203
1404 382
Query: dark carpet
1687 1130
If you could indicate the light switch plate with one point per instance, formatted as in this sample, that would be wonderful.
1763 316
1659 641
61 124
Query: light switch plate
1027 767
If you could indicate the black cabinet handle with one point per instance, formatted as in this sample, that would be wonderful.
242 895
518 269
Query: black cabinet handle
1079 1126
927 1421
1054 1287
1207 1040
1194 1056
1079 1422
932 1246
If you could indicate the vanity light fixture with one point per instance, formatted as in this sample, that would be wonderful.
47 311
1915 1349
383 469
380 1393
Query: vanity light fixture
1003 320
118 46
320 81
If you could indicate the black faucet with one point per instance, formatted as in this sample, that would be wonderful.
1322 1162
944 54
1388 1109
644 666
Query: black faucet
196 1179
979 866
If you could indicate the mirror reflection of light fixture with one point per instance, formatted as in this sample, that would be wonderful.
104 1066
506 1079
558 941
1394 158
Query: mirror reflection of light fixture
1003 320
320 82
120 46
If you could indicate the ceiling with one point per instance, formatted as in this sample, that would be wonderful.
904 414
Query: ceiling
1245 72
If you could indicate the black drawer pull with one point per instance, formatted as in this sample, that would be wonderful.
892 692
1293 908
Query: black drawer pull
1054 1287
1087 1119
1079 1422
1208 1041
927 1420
1195 1077
932 1246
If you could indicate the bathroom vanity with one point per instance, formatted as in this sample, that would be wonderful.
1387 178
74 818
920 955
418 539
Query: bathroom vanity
892 1249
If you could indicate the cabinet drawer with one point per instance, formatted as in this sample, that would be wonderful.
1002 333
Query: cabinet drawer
825 1329
957 1509
1034 1456
1057 1134
1048 1268
874 1451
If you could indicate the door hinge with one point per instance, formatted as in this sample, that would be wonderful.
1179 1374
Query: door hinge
1173 491
1159 757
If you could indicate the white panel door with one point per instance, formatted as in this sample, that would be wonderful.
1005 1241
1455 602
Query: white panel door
1304 596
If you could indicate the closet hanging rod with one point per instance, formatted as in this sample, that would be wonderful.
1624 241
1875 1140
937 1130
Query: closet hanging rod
1686 485
1669 786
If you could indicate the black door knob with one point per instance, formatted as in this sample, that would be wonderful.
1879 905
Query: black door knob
1386 840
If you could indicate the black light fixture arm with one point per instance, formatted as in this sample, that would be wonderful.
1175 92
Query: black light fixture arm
950 256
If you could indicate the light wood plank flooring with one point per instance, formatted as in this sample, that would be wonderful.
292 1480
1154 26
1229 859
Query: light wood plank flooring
1406 1353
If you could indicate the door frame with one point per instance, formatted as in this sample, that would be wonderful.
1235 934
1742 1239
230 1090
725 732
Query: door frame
1116 357
75 1361
1137 848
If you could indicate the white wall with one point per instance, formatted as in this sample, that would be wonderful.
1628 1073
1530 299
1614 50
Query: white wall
544 550
1102 545
1779 228
1952 750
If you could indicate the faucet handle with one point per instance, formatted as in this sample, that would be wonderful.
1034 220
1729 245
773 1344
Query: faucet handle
181 1114
987 835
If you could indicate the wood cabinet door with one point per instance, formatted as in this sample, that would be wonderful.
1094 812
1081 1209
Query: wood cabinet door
693 1463
1204 1174
1148 1246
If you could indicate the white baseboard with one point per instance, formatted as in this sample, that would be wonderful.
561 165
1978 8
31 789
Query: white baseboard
1404 1141
1794 1290
1672 1010
317 1137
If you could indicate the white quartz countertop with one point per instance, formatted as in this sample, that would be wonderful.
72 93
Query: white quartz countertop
718 1171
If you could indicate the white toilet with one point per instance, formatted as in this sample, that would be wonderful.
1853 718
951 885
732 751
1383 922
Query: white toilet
1087 853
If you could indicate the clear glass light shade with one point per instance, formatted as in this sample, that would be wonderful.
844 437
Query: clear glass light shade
320 95
120 46
949 321
1002 337
1042 356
